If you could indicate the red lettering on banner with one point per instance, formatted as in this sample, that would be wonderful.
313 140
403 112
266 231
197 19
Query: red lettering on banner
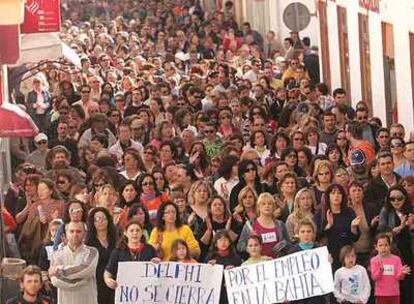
41 16
372 5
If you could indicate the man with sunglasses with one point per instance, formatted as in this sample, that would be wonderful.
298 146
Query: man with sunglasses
85 100
38 156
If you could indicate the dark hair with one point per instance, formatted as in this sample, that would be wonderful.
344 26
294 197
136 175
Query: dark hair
338 91
279 134
406 208
160 215
91 236
242 169
286 152
355 129
252 138
66 215
220 234
124 203
132 211
382 235
140 181
171 144
256 238
323 88
123 242
331 188
226 212
226 166
306 41
101 138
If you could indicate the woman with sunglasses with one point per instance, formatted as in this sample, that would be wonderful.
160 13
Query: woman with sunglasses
102 235
226 127
397 214
149 196
290 157
160 181
149 158
323 178
248 176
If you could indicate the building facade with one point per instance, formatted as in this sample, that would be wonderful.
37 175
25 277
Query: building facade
365 46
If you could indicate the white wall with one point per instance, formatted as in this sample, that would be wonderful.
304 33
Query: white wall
333 41
352 8
377 66
400 15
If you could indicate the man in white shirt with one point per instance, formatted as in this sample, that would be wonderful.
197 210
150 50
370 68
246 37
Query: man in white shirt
73 268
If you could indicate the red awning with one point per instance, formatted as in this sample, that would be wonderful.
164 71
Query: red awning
15 122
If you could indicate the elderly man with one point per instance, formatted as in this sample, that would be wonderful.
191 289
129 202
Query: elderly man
73 268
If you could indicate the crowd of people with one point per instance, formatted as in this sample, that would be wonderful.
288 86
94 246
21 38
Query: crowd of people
187 137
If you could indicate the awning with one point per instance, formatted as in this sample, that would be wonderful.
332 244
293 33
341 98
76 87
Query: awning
15 122
45 46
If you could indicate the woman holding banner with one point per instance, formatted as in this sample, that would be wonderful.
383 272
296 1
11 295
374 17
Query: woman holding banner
131 248
170 228
272 231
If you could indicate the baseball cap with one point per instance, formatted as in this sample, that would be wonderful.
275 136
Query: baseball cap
40 137
357 157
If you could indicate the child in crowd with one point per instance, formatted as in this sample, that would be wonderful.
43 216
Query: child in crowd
351 281
386 271
180 252
224 254
254 249
306 241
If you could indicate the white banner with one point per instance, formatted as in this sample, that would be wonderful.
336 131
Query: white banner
168 282
301 275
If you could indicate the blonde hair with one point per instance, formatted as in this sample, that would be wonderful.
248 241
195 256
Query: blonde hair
193 189
243 192
321 165
267 197
297 213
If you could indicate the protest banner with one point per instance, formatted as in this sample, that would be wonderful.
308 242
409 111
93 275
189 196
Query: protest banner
301 275
168 282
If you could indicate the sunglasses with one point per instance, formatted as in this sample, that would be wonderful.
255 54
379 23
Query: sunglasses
208 131
100 219
42 142
85 92
61 182
148 184
74 210
250 169
148 152
398 198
